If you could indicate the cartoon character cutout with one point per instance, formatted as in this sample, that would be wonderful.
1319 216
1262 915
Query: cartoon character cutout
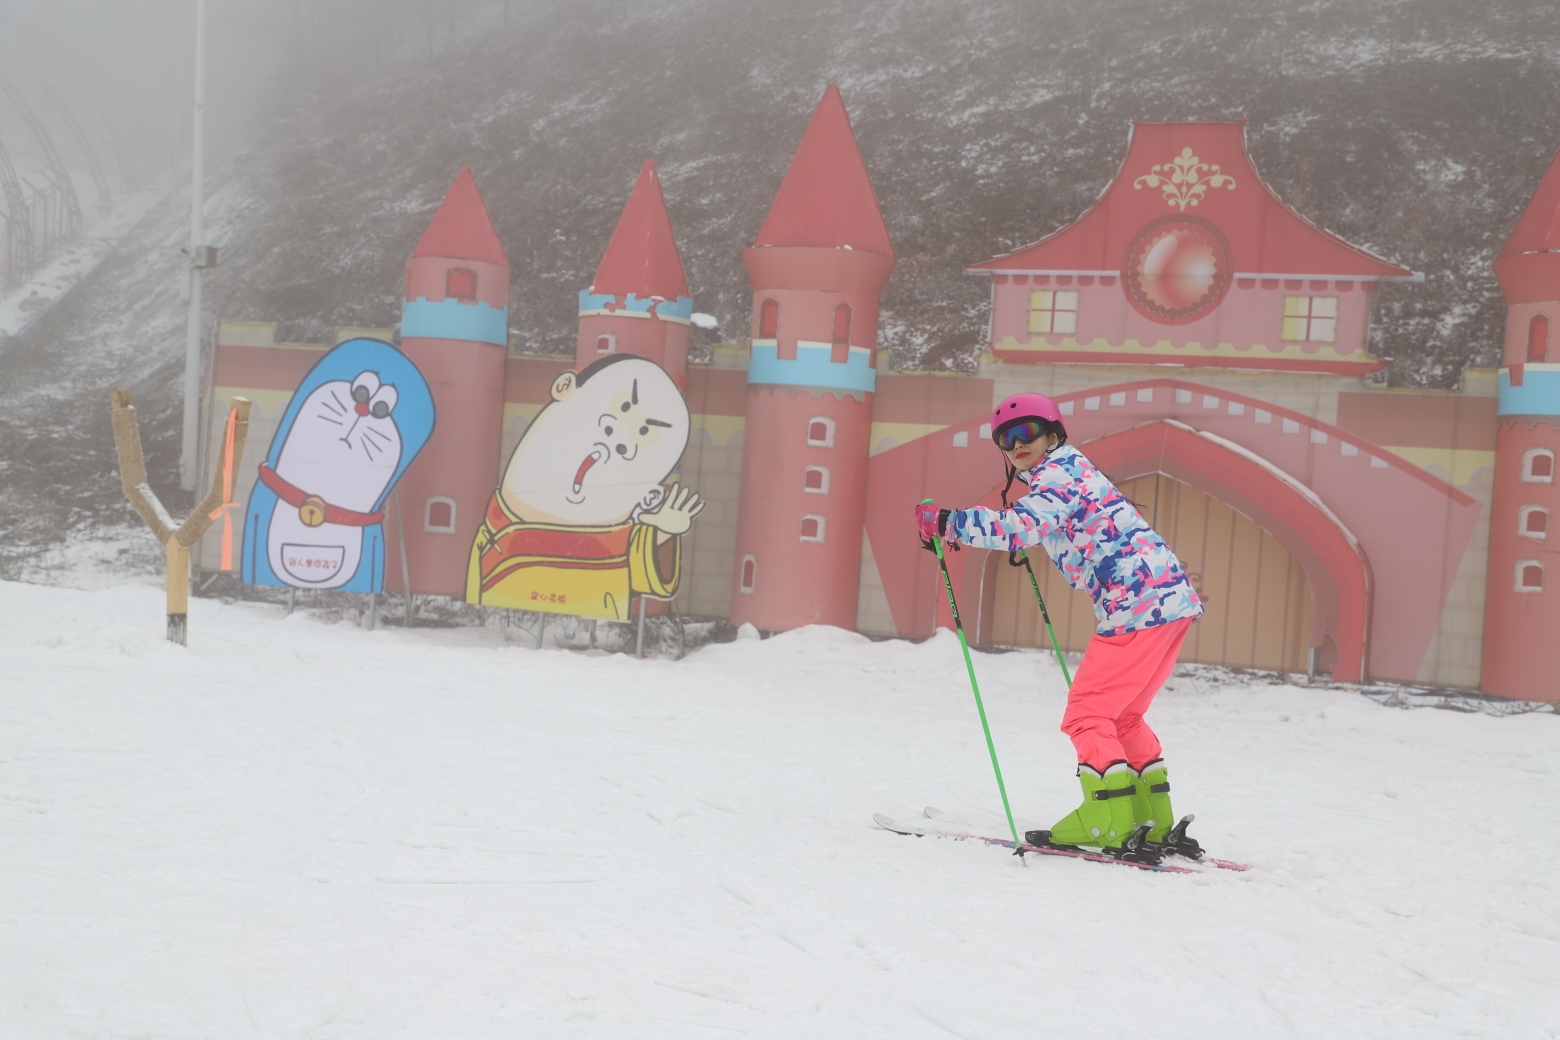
582 520
352 428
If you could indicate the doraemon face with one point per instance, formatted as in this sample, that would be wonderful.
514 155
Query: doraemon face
603 445
344 444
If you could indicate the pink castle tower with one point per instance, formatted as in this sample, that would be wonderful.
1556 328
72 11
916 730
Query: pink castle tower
817 269
638 303
1522 598
455 327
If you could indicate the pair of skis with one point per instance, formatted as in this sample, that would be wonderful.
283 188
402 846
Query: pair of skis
1025 849
1020 847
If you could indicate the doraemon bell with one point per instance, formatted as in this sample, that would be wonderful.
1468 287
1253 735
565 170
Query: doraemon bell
353 426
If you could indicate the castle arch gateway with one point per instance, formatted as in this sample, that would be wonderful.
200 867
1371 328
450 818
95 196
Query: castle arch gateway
1268 527
1411 527
1256 596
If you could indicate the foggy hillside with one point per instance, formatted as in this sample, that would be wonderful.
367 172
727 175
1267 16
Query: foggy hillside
1416 128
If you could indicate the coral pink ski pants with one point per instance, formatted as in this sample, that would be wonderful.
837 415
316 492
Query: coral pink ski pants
1114 686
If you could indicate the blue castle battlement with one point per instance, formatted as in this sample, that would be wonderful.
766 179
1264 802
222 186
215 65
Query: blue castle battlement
1538 394
813 366
449 318
679 310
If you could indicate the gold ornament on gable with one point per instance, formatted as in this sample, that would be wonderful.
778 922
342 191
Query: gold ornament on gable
1185 179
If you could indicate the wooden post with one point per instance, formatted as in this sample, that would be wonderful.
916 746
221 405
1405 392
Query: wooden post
178 591
176 539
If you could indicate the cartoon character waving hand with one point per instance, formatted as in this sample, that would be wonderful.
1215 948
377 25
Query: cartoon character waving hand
582 520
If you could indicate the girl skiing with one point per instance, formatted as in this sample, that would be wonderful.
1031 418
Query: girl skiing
1142 600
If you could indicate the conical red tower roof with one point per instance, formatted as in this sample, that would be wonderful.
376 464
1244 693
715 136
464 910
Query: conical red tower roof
1538 229
642 256
462 229
826 198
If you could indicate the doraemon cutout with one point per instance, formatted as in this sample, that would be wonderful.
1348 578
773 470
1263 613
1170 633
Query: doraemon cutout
315 515
582 520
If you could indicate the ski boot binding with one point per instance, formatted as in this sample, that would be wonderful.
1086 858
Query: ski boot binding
1104 819
1136 849
1177 843
1151 807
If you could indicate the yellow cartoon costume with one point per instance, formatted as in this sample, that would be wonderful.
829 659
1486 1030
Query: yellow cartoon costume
588 571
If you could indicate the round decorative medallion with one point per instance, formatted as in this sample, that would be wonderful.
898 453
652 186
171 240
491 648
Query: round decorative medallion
1177 269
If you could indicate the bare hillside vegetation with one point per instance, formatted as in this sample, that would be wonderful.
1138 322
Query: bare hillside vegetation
1416 128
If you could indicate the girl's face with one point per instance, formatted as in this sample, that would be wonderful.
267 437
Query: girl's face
1025 456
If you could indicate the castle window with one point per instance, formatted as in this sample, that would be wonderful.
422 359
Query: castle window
1538 466
1310 319
820 432
769 320
439 515
1053 313
842 325
815 480
1533 522
1529 576
813 527
460 283
1538 339
606 343
749 574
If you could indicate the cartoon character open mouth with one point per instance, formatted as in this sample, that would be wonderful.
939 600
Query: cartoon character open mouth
598 454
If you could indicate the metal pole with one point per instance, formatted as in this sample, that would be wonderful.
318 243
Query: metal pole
406 573
639 645
1045 615
980 705
187 472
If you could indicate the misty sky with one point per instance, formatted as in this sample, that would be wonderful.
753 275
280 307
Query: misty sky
138 58
142 53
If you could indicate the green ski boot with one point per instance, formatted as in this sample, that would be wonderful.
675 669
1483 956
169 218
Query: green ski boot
1151 808
1104 820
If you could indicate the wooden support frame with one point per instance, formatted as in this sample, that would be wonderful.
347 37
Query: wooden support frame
176 539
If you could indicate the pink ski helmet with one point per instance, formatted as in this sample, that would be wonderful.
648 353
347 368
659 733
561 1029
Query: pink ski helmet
1025 406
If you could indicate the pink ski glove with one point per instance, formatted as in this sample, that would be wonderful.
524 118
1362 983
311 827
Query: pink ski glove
930 523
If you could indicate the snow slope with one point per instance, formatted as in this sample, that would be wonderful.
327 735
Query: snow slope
295 829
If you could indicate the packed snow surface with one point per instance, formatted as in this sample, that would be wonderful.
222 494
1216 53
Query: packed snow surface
301 829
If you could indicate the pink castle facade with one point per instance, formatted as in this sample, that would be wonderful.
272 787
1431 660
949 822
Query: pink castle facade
455 327
1522 612
638 303
821 259
1207 345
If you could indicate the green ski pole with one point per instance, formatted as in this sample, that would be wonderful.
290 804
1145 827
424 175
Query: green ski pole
1024 553
958 625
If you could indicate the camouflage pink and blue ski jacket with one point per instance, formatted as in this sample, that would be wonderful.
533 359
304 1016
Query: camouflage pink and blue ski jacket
1098 540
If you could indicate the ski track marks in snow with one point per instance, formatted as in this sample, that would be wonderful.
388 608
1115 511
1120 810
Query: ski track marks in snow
307 830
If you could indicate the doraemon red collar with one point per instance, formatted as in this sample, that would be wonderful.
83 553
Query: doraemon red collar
312 509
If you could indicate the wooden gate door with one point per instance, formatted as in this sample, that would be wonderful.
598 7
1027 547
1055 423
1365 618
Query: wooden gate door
1256 596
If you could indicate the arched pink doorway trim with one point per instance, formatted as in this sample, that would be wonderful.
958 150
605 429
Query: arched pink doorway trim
1330 555
1413 527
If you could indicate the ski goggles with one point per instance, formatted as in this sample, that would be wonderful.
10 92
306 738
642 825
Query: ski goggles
1025 431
